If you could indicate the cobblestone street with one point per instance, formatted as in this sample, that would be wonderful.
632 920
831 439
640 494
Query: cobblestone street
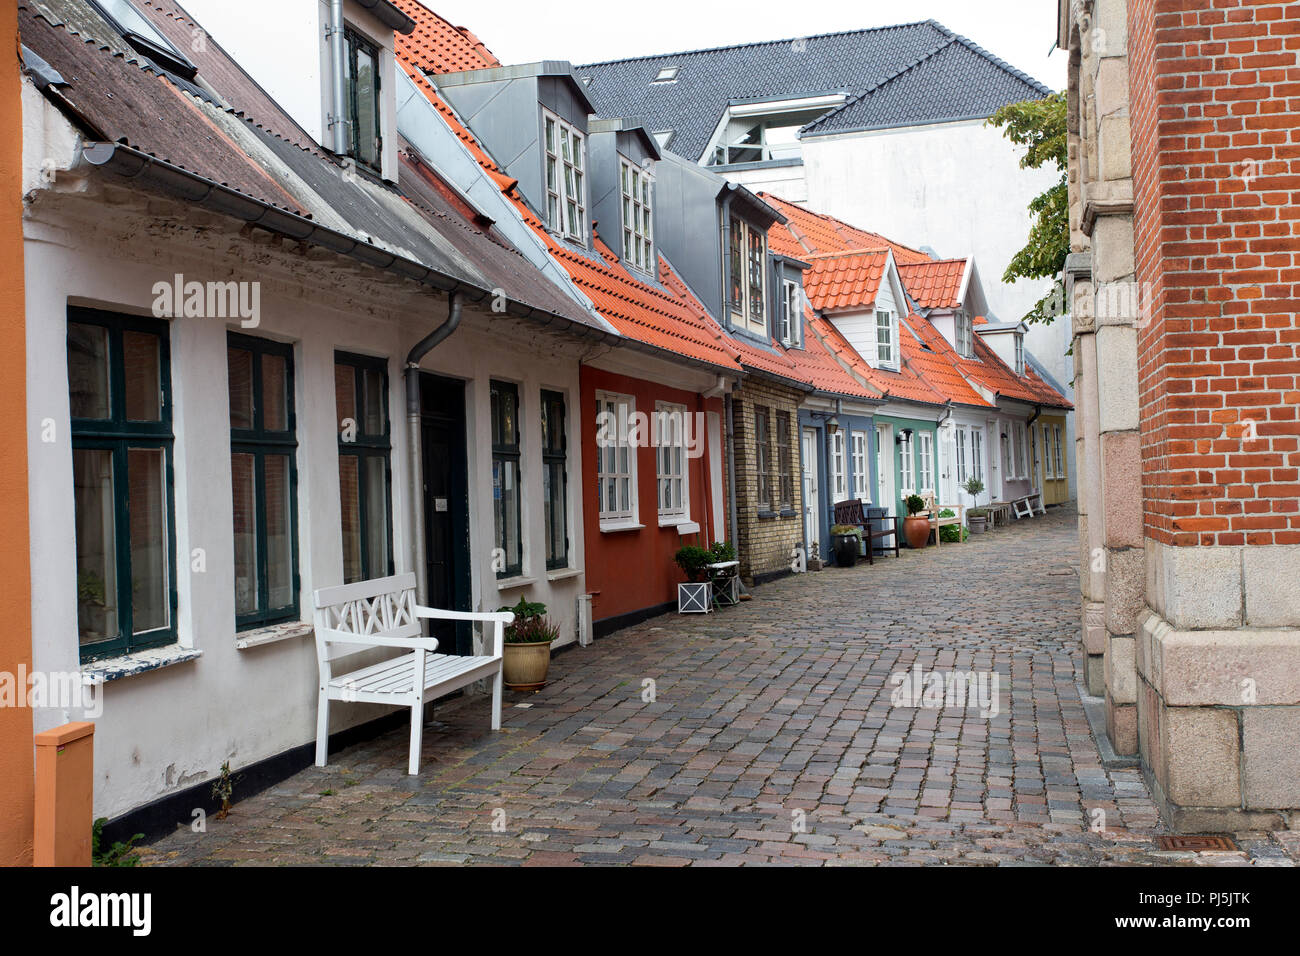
772 738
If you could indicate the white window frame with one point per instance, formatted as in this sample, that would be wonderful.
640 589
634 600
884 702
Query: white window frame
669 437
839 473
743 317
1020 354
963 471
563 191
926 466
977 452
1020 450
859 446
624 407
791 312
906 470
965 335
636 189
887 322
1059 455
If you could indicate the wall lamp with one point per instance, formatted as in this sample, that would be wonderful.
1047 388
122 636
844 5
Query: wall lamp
832 422
905 435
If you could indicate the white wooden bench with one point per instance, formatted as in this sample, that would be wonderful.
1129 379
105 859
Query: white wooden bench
1030 504
360 617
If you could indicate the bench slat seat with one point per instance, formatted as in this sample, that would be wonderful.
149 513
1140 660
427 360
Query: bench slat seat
382 614
932 510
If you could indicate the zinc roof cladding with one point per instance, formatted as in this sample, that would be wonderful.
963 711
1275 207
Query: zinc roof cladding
957 80
649 313
935 284
853 62
121 99
845 280
811 233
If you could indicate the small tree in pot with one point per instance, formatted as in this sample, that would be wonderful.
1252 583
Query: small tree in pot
846 541
527 651
977 517
916 527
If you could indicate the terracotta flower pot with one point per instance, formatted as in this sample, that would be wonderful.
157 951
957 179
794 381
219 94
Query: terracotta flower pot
525 665
917 531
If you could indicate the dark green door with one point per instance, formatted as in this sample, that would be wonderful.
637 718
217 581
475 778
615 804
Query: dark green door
446 507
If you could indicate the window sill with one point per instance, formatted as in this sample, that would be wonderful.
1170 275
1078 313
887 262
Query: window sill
511 584
788 513
274 634
561 574
609 527
139 662
767 514
682 523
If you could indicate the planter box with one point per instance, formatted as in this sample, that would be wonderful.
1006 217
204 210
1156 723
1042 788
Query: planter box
978 525
695 597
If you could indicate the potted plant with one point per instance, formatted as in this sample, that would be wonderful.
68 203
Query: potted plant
527 651
695 594
916 527
976 517
846 542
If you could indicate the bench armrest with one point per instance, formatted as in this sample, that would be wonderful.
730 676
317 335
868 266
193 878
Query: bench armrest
503 617
377 640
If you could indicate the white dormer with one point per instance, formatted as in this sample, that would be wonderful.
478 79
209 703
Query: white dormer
873 327
290 51
1007 339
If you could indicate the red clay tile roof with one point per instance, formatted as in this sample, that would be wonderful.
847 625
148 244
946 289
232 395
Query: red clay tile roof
930 355
438 47
904 384
637 309
844 280
808 233
936 284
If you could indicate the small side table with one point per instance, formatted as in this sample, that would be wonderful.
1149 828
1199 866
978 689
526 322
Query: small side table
725 576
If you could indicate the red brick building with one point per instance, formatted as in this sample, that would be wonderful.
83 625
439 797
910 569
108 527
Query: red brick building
1184 272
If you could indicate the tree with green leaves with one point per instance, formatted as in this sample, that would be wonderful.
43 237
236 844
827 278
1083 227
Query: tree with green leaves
1039 126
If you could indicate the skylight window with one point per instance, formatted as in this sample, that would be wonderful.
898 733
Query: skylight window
667 75
143 37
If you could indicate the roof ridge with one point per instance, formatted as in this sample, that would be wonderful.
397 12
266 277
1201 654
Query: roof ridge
761 43
854 100
765 195
1003 64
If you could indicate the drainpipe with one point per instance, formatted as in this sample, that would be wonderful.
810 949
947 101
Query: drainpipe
337 57
732 519
414 440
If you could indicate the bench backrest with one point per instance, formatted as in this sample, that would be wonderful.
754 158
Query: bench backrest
849 512
382 607
931 502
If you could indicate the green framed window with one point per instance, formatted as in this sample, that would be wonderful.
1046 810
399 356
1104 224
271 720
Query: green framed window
120 403
264 480
555 480
365 466
365 128
506 461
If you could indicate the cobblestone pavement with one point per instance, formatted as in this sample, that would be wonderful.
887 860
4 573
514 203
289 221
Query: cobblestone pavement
772 739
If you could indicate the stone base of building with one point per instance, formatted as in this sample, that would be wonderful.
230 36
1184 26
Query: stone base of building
1218 726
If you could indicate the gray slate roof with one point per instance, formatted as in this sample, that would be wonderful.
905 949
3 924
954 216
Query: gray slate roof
896 76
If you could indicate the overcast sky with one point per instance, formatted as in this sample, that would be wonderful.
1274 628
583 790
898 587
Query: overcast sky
1022 32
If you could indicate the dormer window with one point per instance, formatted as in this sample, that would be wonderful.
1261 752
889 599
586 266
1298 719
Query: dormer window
1020 354
638 229
791 312
667 75
566 203
886 339
964 334
748 282
365 131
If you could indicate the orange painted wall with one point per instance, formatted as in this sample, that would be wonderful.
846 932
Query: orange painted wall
632 570
17 786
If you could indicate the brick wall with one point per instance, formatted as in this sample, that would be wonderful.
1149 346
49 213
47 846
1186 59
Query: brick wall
1215 96
764 543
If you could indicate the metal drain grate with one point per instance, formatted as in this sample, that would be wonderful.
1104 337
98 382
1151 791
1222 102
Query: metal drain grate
1198 844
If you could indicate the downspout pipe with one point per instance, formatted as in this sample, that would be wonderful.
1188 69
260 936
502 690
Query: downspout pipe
732 517
338 55
415 442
